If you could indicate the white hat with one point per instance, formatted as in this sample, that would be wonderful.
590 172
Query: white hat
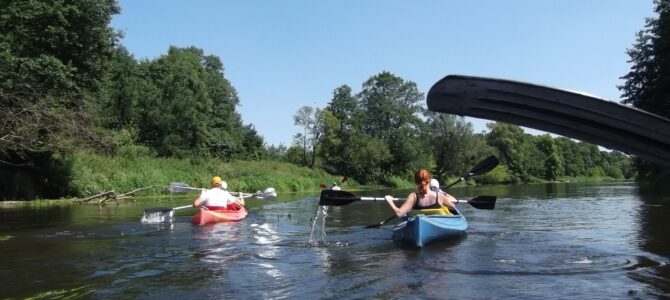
434 184
224 185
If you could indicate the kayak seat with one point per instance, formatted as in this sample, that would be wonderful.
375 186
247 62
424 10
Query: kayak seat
444 211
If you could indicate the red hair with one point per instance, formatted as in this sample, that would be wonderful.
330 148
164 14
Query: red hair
422 176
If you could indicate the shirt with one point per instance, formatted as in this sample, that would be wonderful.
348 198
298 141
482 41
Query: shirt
216 197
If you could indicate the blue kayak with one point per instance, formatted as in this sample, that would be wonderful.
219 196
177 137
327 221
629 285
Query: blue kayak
422 229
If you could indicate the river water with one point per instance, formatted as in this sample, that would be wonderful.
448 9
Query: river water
551 241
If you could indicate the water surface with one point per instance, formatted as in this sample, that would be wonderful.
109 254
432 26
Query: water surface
557 241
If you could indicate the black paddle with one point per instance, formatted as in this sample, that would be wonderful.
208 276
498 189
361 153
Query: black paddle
267 194
481 202
482 167
340 198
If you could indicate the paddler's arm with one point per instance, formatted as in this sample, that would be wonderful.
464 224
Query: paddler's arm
240 199
198 201
448 200
404 208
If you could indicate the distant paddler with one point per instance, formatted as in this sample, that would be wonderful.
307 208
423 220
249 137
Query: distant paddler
218 196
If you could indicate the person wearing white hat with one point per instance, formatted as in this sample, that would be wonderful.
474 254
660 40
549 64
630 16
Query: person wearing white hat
435 186
218 196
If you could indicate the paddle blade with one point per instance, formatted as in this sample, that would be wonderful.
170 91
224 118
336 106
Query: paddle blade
483 202
484 166
322 186
344 179
336 198
381 223
158 215
180 187
266 194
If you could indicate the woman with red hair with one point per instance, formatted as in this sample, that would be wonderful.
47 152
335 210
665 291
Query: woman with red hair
424 198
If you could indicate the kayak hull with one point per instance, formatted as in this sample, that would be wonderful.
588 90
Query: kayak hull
422 229
205 216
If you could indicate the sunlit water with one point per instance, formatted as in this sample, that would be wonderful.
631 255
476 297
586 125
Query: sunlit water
559 241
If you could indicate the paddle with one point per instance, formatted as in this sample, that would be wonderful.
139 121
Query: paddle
481 202
160 214
267 194
482 167
340 198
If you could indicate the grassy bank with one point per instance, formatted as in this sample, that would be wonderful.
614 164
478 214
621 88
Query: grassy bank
95 173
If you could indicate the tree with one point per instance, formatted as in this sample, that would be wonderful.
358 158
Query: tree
391 110
552 162
647 85
453 144
514 147
52 56
311 119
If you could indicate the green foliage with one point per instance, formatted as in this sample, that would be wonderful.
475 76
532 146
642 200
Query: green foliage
295 155
180 105
552 161
62 45
453 144
498 175
596 171
52 57
94 173
614 172
312 121
515 149
647 84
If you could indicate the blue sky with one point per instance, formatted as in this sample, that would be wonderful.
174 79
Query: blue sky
282 55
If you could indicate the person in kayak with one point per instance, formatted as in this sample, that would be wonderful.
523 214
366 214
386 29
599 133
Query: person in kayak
424 198
435 187
335 187
218 196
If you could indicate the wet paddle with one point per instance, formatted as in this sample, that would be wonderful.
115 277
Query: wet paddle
160 214
166 214
481 202
340 198
266 194
482 167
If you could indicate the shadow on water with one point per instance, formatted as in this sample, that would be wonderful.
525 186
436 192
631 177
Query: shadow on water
655 238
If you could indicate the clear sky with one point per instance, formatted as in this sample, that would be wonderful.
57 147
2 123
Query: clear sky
282 55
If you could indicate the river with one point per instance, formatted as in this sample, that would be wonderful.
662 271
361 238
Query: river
549 241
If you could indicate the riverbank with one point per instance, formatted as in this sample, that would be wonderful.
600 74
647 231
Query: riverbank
93 174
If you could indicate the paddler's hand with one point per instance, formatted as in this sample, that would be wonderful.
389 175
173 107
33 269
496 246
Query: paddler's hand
389 199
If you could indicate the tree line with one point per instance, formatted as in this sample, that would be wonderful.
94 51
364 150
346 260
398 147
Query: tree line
384 133
67 84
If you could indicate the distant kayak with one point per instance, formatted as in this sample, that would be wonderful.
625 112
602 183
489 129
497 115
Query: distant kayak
422 229
219 214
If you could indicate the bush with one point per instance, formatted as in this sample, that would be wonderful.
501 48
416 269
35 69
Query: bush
499 174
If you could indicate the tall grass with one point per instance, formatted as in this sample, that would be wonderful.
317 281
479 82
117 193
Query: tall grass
95 173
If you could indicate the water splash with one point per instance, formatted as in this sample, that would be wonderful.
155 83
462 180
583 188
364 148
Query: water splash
157 217
318 235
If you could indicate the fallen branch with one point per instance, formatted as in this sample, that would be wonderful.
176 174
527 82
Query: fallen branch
104 195
112 196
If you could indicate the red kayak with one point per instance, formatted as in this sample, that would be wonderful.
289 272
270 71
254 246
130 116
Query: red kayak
219 214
